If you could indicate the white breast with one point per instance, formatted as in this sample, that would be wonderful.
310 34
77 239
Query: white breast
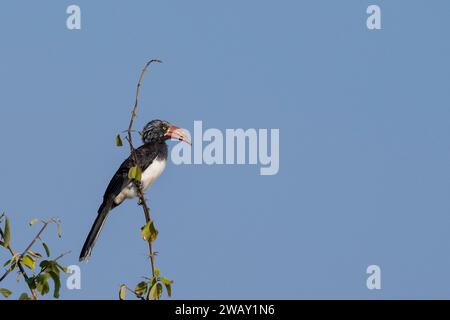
152 173
149 176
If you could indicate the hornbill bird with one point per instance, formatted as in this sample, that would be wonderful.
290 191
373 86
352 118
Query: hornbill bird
151 158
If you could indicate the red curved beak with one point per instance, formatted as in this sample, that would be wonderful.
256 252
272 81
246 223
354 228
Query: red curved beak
173 132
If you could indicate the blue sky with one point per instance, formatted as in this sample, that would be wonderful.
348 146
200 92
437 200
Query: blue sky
364 152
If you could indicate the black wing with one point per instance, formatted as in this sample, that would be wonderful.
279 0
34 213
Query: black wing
145 156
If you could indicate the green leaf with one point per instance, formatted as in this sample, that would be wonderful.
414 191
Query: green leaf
5 292
145 232
33 222
141 289
12 266
7 235
149 232
24 296
59 230
34 254
152 295
45 288
138 174
169 289
168 284
153 231
119 141
7 262
49 265
159 290
135 173
153 281
41 283
14 259
166 280
57 282
31 282
29 262
157 272
122 291
47 250
132 172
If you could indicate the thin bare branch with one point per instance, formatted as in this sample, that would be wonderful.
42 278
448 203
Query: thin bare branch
5 274
38 235
62 255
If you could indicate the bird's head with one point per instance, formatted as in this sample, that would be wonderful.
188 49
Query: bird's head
160 130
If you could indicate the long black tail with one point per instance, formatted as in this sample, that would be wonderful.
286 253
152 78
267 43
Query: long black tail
95 230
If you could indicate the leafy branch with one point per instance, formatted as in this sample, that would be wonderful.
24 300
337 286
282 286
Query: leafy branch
153 287
49 269
136 172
